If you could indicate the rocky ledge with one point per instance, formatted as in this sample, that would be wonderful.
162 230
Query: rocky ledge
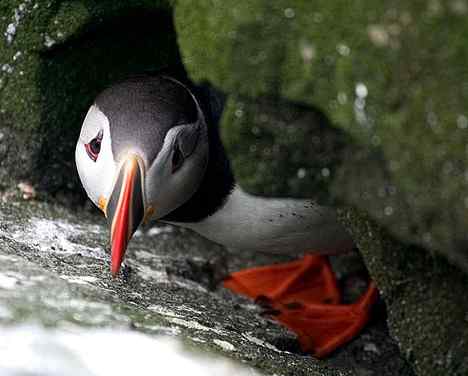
57 295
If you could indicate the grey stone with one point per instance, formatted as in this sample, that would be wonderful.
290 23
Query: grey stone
54 273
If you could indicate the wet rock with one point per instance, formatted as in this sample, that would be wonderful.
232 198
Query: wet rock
54 278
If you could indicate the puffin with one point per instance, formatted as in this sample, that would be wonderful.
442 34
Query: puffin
149 150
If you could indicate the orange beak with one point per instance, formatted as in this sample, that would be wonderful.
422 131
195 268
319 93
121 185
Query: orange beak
125 210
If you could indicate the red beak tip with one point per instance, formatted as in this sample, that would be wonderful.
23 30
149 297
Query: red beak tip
115 271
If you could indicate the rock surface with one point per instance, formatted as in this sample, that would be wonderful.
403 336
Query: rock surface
55 57
372 71
355 105
350 101
55 280
426 305
74 351
425 297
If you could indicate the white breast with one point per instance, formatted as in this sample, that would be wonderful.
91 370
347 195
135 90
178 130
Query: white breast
274 225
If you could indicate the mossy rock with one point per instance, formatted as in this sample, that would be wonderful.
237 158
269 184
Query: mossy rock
391 75
259 137
425 297
281 148
55 57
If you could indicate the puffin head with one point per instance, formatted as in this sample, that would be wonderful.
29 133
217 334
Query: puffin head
142 152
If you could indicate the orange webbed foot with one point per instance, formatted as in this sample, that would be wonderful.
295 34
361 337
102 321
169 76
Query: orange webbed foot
306 297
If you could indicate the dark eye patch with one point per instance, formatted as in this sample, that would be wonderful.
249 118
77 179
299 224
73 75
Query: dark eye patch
93 148
177 158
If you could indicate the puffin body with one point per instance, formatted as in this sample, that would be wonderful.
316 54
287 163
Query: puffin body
147 151
272 225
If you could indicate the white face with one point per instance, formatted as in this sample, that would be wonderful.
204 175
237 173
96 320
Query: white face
96 165
169 180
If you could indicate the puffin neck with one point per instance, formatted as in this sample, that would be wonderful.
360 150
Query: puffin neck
218 182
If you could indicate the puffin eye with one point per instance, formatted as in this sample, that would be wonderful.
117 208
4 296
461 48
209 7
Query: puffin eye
94 146
177 158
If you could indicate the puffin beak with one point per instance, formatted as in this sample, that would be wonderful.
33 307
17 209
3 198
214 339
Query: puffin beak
125 209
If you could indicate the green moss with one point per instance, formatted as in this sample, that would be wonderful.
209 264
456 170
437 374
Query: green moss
86 34
267 137
373 70
61 55
392 77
